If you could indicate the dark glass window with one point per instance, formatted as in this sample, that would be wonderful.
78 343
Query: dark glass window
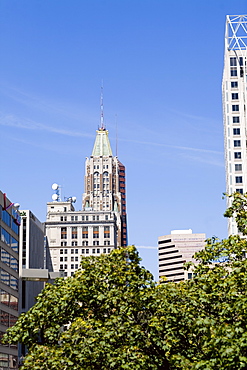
84 232
6 218
95 232
237 155
239 179
237 143
240 191
234 84
238 167
14 245
234 96
234 72
236 131
63 233
233 61
235 108
235 119
5 236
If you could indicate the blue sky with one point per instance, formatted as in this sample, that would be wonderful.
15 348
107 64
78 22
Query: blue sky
161 63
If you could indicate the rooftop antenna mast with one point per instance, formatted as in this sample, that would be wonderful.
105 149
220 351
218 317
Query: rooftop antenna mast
102 124
116 135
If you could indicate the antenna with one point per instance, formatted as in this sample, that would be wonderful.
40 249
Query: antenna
116 134
102 124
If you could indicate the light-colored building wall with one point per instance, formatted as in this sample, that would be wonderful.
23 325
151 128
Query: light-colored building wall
72 234
174 250
234 88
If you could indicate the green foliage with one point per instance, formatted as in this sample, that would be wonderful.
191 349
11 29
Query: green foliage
107 307
238 210
111 315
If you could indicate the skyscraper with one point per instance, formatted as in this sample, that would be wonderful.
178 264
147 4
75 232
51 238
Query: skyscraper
101 224
105 183
234 90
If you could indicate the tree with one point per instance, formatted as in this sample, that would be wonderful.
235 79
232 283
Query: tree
111 315
97 319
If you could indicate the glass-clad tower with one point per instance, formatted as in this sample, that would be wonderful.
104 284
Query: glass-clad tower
234 91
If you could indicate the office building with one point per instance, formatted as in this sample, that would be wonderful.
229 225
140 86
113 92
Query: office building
176 249
105 184
101 225
9 244
234 88
72 234
31 257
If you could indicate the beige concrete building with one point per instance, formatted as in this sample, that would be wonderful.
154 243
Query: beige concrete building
71 234
174 250
104 187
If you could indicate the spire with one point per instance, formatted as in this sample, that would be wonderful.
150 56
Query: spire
102 144
102 124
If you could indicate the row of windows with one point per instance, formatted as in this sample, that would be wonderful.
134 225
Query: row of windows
72 251
9 240
83 218
84 243
96 167
85 232
77 251
72 259
7 319
9 220
9 260
83 251
8 361
9 300
72 267
9 280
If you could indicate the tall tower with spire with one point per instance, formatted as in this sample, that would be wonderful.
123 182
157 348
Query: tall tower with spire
104 188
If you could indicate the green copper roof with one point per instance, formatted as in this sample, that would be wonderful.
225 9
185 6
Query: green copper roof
102 144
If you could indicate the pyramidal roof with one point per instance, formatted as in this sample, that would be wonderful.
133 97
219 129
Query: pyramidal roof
102 144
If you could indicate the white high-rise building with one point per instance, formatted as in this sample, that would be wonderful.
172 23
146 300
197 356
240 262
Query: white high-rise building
234 90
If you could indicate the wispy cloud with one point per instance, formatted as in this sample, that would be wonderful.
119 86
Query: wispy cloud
145 247
185 148
27 124
208 160
31 100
